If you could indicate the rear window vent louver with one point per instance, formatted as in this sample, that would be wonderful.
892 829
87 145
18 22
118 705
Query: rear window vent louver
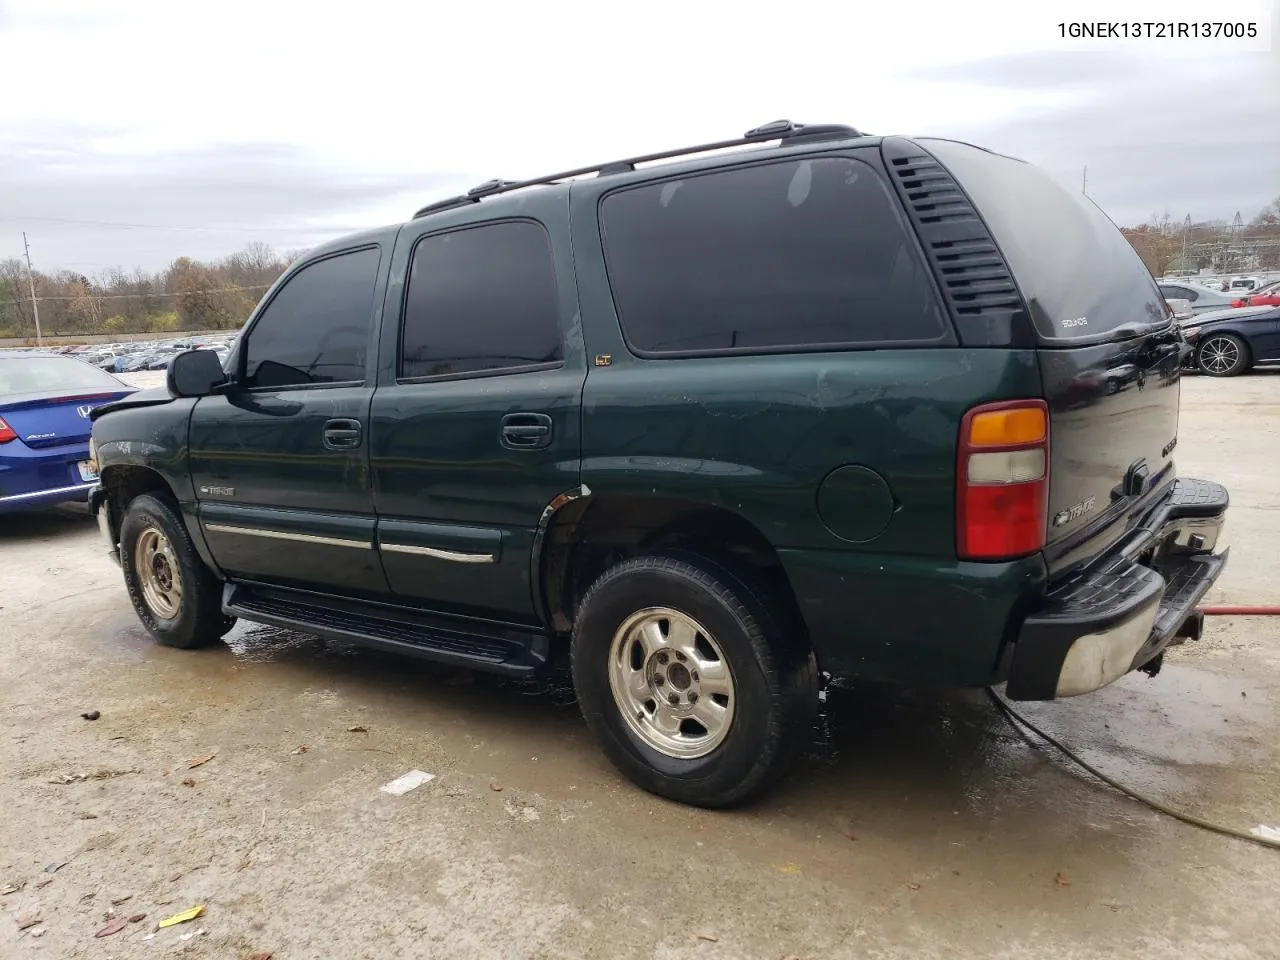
975 279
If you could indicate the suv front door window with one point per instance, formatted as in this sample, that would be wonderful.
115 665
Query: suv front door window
280 462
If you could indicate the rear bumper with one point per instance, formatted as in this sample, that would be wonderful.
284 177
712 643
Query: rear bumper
1120 613
44 498
100 507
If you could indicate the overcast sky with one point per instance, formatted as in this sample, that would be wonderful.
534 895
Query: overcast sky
193 128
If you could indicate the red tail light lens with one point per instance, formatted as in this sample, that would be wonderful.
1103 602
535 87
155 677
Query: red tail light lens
6 433
1002 480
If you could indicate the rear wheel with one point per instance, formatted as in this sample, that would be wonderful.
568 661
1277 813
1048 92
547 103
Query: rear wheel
1223 355
177 598
688 680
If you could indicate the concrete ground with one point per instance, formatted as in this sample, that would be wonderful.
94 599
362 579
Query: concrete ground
917 826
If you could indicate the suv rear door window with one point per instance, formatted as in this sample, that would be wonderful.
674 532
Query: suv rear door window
803 254
316 327
1076 271
481 299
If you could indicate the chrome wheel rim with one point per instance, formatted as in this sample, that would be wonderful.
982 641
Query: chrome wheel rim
1219 355
158 575
672 683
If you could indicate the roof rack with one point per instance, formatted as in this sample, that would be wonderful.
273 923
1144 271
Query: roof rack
783 130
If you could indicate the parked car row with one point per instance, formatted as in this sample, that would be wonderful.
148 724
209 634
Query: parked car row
146 354
1204 300
1268 296
1236 286
1229 335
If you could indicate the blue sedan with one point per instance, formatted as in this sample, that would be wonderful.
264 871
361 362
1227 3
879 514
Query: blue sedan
45 402
1229 342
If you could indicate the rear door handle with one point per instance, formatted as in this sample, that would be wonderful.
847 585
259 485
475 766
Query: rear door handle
526 431
342 434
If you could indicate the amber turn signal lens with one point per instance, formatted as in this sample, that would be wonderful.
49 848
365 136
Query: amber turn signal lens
999 428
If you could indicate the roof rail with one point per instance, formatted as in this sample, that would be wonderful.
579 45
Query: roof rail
783 130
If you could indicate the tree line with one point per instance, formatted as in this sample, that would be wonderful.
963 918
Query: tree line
1167 245
186 295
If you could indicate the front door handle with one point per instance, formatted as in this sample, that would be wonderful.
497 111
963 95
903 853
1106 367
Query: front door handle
526 431
342 434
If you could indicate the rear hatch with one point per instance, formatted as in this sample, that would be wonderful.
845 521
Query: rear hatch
42 421
1108 349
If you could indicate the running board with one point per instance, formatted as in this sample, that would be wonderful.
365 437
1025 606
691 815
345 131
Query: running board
495 648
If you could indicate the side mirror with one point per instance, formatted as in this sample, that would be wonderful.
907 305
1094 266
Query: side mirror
195 374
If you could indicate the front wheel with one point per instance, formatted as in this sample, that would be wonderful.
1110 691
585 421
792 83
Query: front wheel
1223 355
177 598
688 681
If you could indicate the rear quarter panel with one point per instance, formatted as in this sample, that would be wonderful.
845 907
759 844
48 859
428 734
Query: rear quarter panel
758 435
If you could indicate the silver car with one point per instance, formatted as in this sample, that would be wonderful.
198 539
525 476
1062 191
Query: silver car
1202 299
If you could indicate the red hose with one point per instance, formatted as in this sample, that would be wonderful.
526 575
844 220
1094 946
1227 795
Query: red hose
1225 611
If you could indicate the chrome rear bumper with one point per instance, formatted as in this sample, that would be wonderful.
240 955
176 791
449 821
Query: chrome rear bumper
1120 613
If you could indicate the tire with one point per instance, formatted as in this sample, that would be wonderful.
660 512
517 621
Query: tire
183 611
755 725
1223 355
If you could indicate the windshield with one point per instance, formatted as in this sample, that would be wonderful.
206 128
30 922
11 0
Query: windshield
19 375
1076 271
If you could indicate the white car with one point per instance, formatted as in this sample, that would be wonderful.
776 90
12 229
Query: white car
1243 284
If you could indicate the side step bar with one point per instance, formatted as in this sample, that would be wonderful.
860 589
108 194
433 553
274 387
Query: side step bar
493 647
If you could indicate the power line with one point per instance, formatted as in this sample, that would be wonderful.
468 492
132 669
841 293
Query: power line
146 296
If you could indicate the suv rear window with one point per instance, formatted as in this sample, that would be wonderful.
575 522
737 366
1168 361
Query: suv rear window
804 254
1076 271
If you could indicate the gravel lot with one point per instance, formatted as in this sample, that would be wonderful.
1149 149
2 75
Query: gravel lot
917 826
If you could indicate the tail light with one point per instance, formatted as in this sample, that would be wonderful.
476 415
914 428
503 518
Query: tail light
7 433
1002 480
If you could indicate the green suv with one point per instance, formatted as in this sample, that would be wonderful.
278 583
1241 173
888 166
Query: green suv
807 400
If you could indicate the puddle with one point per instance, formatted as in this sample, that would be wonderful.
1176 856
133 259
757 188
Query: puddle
254 643
1158 733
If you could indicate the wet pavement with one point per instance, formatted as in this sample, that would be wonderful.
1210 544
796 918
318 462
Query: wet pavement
918 824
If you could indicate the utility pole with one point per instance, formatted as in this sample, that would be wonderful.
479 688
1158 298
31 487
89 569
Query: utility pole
1084 181
1186 235
31 281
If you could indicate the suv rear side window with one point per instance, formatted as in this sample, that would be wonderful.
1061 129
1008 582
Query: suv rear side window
481 299
316 327
1076 271
804 254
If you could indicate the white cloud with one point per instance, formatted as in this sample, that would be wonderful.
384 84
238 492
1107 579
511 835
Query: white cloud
448 94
